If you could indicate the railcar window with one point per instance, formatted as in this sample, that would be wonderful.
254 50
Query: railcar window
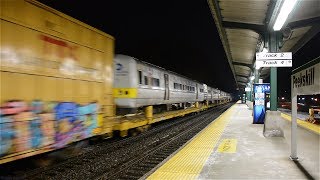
140 77
201 90
146 80
177 86
156 82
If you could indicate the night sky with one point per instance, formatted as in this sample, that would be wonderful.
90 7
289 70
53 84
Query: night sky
180 36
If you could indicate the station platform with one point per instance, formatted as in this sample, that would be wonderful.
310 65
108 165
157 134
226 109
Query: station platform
231 147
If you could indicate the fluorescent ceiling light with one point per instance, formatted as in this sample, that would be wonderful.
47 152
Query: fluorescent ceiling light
285 10
265 50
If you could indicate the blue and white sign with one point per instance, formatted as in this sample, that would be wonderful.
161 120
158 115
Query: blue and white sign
259 109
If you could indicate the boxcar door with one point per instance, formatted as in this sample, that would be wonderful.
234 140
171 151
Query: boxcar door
166 87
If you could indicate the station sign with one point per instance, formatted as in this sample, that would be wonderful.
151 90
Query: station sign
274 63
283 59
306 79
273 56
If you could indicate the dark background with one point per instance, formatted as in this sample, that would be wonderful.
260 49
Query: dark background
180 36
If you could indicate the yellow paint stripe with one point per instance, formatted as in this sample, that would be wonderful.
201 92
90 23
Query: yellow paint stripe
228 146
313 127
189 161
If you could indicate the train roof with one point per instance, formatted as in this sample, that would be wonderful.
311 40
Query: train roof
153 65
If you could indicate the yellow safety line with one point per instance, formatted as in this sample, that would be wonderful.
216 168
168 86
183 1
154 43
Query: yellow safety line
189 161
304 124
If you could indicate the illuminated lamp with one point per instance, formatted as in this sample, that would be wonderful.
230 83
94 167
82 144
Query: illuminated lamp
285 10
265 50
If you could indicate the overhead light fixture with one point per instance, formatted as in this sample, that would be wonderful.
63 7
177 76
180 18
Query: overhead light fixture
265 50
285 10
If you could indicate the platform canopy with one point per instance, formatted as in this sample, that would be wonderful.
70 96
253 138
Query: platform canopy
243 25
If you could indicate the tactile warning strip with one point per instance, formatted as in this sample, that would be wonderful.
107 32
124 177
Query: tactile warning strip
313 127
189 161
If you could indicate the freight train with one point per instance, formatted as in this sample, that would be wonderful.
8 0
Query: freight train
57 77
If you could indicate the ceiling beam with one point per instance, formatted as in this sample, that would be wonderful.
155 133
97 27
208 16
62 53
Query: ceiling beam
260 29
307 37
244 84
240 81
243 64
304 23
272 12
239 75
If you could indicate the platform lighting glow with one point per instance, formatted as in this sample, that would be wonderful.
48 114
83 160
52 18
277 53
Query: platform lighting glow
252 78
302 98
311 98
285 10
265 50
282 98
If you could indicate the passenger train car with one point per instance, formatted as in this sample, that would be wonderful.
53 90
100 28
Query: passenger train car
138 84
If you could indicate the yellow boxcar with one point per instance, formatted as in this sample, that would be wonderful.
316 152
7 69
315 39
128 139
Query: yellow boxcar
56 80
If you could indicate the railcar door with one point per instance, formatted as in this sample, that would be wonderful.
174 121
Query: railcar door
166 87
197 95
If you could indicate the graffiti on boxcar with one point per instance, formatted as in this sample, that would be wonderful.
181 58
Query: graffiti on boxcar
44 124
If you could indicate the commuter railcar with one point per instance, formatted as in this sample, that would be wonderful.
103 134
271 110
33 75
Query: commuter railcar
138 84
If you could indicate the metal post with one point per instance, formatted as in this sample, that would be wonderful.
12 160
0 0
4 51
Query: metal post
256 76
273 47
273 86
293 155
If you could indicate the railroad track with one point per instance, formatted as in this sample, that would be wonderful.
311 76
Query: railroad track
142 164
128 158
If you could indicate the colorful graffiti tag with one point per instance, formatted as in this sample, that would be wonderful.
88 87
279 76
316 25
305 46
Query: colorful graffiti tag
45 125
